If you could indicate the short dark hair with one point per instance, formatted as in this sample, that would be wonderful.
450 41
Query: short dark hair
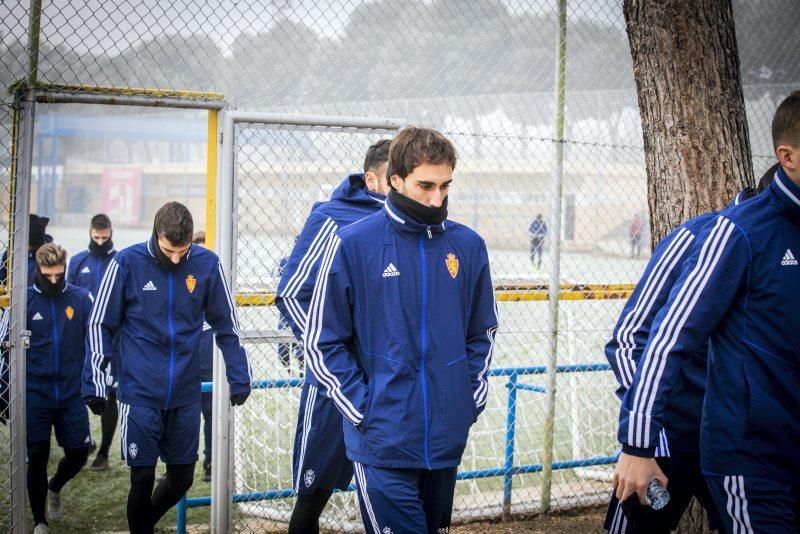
377 155
199 237
174 223
100 222
414 146
786 122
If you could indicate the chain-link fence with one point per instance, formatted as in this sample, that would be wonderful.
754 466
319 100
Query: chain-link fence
485 73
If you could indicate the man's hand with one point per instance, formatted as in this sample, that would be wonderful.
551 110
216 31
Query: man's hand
633 474
96 404
239 398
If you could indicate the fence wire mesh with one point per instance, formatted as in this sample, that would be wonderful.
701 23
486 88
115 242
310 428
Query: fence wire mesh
482 72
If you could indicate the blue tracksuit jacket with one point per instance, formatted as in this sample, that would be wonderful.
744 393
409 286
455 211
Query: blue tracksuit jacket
86 270
349 202
739 288
159 315
632 330
54 362
400 334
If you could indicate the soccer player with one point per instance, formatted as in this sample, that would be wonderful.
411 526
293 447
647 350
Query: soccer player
57 316
678 457
86 269
319 462
739 288
156 295
205 347
400 335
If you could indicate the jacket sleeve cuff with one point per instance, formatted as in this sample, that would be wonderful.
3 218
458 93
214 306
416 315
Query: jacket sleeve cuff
235 389
649 452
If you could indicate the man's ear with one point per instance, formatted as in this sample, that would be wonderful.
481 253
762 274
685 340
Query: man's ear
371 181
395 182
788 157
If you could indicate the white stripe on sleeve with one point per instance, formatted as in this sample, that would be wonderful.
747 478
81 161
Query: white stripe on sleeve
664 340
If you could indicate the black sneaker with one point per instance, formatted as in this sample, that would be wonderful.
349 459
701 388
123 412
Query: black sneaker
100 463
206 472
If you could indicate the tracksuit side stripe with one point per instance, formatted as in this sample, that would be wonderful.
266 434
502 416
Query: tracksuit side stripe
299 277
309 259
315 359
737 504
619 525
666 337
653 286
480 394
361 480
234 319
96 326
308 413
123 429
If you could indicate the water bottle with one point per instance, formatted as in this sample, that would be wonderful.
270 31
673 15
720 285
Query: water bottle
657 495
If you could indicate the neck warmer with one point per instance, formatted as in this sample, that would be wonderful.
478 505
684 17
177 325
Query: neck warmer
162 258
100 250
419 212
47 287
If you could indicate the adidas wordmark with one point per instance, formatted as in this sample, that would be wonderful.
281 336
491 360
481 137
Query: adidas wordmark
391 270
149 286
788 258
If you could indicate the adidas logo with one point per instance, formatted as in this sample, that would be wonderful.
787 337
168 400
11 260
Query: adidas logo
37 317
391 270
788 258
85 270
149 286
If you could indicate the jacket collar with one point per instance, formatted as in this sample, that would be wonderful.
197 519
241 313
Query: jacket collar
403 223
151 244
36 288
787 193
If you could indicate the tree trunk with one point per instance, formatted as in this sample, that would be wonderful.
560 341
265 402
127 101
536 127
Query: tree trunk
686 67
696 142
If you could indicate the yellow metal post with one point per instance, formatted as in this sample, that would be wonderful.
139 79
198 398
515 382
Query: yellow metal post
211 181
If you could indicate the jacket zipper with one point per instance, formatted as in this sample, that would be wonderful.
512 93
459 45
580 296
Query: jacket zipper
424 335
171 339
96 276
55 347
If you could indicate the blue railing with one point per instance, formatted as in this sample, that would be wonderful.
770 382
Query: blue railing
507 471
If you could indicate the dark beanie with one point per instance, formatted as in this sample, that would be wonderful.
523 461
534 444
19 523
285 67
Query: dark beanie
36 233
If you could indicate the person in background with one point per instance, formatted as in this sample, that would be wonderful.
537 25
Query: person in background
86 270
635 235
537 233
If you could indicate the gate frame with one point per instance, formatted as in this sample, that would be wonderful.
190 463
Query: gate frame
222 425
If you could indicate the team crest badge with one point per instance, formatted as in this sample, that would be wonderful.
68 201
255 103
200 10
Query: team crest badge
452 264
133 450
191 282
308 477
70 311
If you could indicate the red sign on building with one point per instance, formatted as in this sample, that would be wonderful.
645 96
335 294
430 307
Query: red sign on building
122 192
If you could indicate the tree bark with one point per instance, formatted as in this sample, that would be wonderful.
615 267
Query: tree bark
686 67
696 141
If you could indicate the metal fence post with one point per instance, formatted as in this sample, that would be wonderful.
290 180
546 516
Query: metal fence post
511 423
555 257
18 336
222 420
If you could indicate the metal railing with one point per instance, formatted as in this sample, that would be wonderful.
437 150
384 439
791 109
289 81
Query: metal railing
506 471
